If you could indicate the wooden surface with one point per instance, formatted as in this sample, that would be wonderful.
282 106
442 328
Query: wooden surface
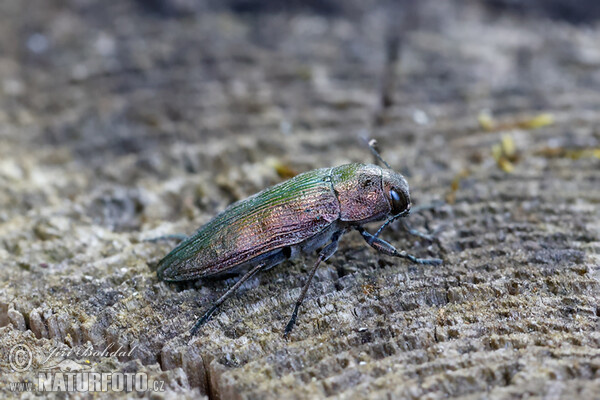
126 121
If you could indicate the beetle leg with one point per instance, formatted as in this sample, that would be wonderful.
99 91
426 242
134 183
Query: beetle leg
175 236
217 303
427 206
386 248
420 208
323 255
416 232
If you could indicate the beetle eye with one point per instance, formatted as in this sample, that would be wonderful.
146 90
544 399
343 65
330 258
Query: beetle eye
399 202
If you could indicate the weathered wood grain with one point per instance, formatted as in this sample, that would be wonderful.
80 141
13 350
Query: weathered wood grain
120 123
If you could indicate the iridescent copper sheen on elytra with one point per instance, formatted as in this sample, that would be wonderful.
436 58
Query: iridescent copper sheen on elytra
300 214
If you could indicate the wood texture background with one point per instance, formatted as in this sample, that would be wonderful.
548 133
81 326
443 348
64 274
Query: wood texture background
122 121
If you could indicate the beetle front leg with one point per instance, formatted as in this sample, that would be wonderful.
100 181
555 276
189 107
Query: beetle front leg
323 255
427 206
180 237
415 232
386 248
420 208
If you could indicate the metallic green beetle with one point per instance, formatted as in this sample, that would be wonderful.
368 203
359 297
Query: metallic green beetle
310 211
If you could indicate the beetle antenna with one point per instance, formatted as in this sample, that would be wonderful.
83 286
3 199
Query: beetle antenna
372 143
390 220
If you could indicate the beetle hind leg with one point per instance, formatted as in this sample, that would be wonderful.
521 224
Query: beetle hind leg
323 255
222 299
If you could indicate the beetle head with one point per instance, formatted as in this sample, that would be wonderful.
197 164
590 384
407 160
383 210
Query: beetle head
395 189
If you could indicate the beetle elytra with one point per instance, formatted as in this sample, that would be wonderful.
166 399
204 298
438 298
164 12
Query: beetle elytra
308 212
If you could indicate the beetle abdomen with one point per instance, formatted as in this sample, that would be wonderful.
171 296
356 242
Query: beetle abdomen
283 215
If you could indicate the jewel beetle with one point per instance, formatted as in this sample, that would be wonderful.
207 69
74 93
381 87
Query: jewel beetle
308 212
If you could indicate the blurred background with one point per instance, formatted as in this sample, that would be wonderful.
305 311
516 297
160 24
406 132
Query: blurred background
133 90
126 120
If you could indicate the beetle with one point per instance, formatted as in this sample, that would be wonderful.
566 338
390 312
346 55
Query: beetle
310 211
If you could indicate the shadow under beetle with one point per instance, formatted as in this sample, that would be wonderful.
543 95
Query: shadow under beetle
310 211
